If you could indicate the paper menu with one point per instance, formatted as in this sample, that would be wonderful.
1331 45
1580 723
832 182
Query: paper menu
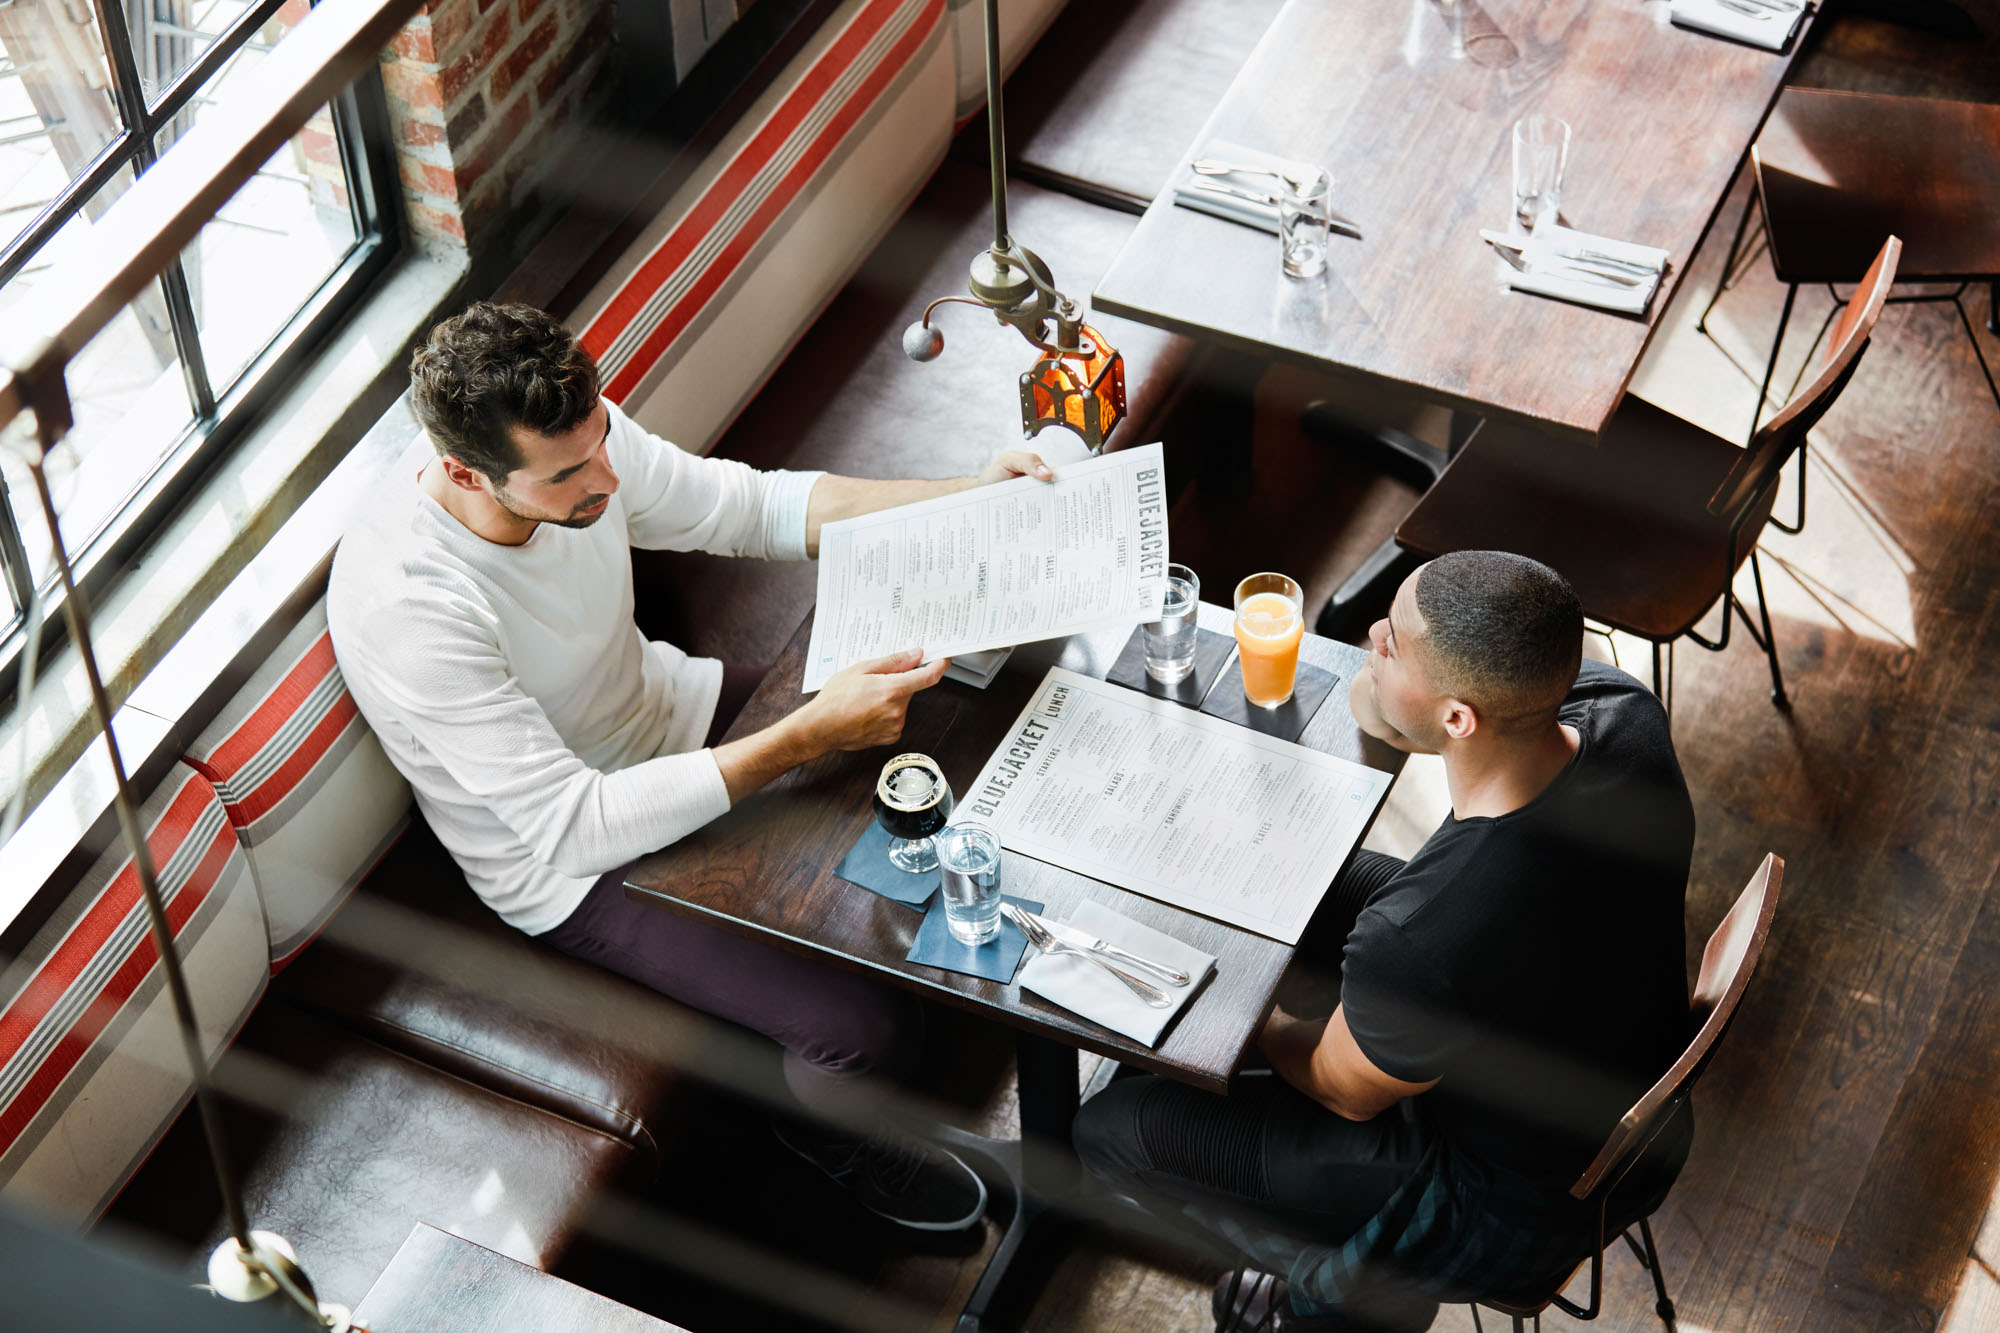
996 565
1159 799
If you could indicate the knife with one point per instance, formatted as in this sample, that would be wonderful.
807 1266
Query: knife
1571 271
1083 939
1339 224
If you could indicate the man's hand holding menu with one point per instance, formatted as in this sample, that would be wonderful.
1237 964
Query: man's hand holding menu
996 565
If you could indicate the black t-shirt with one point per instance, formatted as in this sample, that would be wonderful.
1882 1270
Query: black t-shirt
1534 963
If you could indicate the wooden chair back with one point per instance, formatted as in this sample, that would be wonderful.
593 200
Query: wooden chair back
1757 471
1726 966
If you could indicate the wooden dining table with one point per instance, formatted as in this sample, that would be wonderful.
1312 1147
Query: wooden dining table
767 870
1410 104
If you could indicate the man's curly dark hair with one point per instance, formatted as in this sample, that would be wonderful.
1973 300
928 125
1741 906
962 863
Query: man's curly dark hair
495 367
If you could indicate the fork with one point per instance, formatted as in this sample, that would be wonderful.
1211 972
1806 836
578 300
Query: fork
1215 166
1048 943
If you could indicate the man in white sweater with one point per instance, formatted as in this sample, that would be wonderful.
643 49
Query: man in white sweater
483 618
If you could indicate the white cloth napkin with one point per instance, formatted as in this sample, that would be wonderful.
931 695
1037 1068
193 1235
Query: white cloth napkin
1081 986
1770 30
1548 275
1264 217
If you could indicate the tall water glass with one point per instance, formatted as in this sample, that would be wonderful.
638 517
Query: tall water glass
1305 201
1270 620
1541 151
1170 639
969 858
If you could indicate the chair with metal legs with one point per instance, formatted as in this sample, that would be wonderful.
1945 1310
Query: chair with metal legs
1652 524
1726 967
1834 171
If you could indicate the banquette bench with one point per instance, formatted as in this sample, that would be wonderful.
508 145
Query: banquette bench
416 1059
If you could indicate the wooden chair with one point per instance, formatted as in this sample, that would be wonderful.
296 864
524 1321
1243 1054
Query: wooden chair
1651 525
1726 966
1835 170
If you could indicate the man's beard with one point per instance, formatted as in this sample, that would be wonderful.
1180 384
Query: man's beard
574 519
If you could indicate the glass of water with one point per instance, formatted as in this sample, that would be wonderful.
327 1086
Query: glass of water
969 857
1541 151
1170 639
1305 204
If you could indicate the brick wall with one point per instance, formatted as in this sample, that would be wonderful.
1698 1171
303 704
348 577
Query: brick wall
483 97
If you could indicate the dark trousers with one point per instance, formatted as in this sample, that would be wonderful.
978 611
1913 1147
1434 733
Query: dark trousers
835 1027
1265 1167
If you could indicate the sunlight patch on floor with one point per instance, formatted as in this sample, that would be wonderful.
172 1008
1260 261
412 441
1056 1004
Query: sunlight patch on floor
1976 1307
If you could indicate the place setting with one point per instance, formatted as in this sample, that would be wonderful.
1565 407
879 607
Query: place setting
1542 256
1770 24
1104 966
1292 200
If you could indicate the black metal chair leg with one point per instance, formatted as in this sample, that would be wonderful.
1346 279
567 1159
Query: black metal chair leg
1977 350
1730 273
1770 367
1769 640
1662 1306
1993 307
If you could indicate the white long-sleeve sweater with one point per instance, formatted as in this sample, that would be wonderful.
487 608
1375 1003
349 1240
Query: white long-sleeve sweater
547 740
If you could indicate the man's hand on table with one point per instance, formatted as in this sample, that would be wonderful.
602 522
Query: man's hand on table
857 709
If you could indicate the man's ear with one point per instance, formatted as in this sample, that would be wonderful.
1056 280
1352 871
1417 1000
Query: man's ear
1460 720
459 475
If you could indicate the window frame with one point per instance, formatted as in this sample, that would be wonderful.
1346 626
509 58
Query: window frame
219 419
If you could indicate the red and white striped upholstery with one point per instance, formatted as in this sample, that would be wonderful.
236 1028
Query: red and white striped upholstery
712 295
304 782
92 1069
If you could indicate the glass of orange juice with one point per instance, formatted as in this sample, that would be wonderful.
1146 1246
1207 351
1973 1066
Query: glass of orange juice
1270 618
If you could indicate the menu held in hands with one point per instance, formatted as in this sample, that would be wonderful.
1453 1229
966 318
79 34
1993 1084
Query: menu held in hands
996 565
1172 803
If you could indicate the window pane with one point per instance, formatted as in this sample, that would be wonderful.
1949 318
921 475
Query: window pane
126 391
269 249
56 113
170 35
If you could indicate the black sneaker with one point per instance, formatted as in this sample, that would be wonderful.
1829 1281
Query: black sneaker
895 1175
1252 1302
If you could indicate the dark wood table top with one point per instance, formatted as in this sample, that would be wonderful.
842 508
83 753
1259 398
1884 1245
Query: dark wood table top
1838 172
1418 143
766 869
441 1283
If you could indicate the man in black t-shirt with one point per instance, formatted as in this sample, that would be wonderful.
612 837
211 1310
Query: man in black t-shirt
1504 997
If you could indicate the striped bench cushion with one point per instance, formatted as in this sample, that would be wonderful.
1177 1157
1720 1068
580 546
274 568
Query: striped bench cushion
305 783
700 309
92 1069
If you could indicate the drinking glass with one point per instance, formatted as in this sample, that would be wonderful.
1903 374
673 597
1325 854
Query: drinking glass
1541 149
1170 639
1270 620
912 802
969 854
1304 204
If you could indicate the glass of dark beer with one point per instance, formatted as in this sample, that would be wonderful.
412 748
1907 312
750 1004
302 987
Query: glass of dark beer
912 802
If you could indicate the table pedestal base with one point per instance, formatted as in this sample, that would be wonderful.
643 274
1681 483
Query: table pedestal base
1034 1174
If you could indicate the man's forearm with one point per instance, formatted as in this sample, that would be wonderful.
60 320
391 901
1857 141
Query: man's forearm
756 760
834 498
1292 1046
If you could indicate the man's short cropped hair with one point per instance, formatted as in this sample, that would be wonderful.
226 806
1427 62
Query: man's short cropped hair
495 367
1502 632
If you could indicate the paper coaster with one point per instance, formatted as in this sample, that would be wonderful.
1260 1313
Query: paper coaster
995 960
1211 654
1288 720
867 864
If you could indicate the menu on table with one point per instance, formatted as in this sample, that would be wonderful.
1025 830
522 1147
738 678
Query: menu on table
996 565
1152 797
